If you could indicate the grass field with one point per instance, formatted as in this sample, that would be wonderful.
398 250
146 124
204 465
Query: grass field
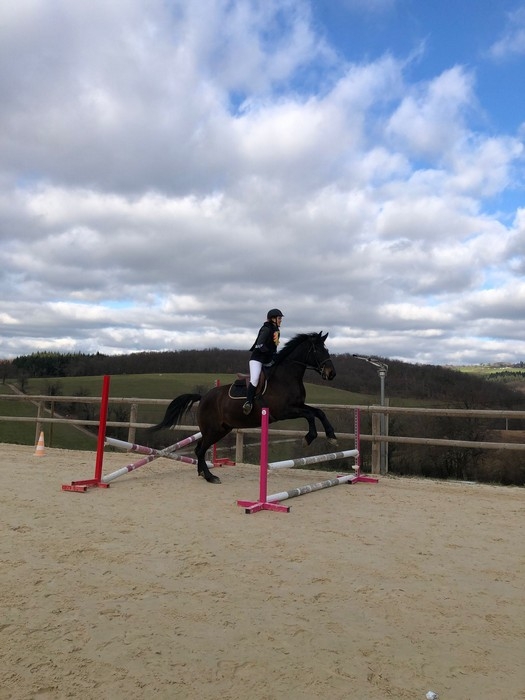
487 371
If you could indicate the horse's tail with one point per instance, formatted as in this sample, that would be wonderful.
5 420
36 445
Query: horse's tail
177 408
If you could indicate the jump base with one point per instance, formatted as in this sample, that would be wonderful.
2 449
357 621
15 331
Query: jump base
223 462
366 479
83 486
256 506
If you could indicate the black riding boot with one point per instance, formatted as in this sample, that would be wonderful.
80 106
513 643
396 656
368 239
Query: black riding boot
248 404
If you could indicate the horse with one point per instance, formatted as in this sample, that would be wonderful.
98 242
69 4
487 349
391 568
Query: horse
283 393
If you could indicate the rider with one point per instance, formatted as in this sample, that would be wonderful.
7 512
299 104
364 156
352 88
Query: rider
263 352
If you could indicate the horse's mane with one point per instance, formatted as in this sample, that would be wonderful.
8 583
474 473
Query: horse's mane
292 345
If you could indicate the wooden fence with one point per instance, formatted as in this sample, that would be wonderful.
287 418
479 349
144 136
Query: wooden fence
46 413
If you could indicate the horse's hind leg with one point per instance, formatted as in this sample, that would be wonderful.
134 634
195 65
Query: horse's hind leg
202 466
202 447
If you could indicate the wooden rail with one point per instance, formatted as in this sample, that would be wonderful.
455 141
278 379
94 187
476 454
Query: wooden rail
376 438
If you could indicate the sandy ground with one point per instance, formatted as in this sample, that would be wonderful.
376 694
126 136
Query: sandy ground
162 587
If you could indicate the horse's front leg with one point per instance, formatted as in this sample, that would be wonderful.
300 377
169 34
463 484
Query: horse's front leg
312 430
308 413
328 427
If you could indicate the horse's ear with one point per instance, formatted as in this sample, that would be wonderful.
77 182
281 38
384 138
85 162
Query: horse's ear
324 337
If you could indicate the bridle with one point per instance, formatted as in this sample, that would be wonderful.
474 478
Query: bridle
318 365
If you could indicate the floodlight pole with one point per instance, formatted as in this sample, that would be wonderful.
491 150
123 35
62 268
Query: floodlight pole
382 371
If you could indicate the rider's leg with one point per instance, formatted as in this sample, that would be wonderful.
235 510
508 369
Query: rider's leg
255 373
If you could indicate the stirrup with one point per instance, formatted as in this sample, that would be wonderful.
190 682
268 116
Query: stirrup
247 408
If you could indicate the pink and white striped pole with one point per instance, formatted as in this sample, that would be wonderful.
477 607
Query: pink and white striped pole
152 455
143 450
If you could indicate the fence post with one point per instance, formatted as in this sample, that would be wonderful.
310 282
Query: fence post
39 412
384 445
51 415
133 413
376 444
239 447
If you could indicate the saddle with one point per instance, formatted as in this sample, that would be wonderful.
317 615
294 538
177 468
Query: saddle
239 388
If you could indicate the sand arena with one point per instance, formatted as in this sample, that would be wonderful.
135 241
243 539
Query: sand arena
161 586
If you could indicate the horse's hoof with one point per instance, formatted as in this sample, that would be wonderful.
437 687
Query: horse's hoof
333 441
211 478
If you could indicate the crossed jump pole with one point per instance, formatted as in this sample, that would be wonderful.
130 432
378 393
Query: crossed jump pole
152 454
272 502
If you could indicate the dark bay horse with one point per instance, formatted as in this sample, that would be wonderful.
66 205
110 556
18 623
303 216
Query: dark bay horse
218 413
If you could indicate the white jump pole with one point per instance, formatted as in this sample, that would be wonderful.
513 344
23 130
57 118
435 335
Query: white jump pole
314 459
301 490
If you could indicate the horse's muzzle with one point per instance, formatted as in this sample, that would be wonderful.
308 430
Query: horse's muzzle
328 371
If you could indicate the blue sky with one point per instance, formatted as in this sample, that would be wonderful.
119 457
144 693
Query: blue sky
170 170
484 36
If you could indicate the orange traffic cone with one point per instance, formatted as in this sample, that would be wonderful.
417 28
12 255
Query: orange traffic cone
40 450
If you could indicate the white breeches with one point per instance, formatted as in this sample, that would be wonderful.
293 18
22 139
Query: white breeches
255 371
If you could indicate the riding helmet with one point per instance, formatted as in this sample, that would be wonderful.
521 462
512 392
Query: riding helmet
273 312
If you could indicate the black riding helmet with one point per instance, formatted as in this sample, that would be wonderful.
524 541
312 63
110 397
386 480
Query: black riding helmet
273 312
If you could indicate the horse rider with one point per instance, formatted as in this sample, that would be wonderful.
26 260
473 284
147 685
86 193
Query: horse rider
263 352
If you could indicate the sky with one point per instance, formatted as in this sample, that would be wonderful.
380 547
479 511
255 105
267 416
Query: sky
172 169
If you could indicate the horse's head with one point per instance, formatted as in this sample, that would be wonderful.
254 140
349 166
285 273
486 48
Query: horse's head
308 350
319 358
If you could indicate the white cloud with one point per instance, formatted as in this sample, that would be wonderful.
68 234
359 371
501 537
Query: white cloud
166 179
512 43
484 167
430 121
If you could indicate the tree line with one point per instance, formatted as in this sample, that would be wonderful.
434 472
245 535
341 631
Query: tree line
404 380
436 385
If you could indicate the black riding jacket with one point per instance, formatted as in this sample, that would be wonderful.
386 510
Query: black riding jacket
265 346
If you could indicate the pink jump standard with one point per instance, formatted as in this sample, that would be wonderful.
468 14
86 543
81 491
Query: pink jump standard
263 503
82 486
357 433
272 502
